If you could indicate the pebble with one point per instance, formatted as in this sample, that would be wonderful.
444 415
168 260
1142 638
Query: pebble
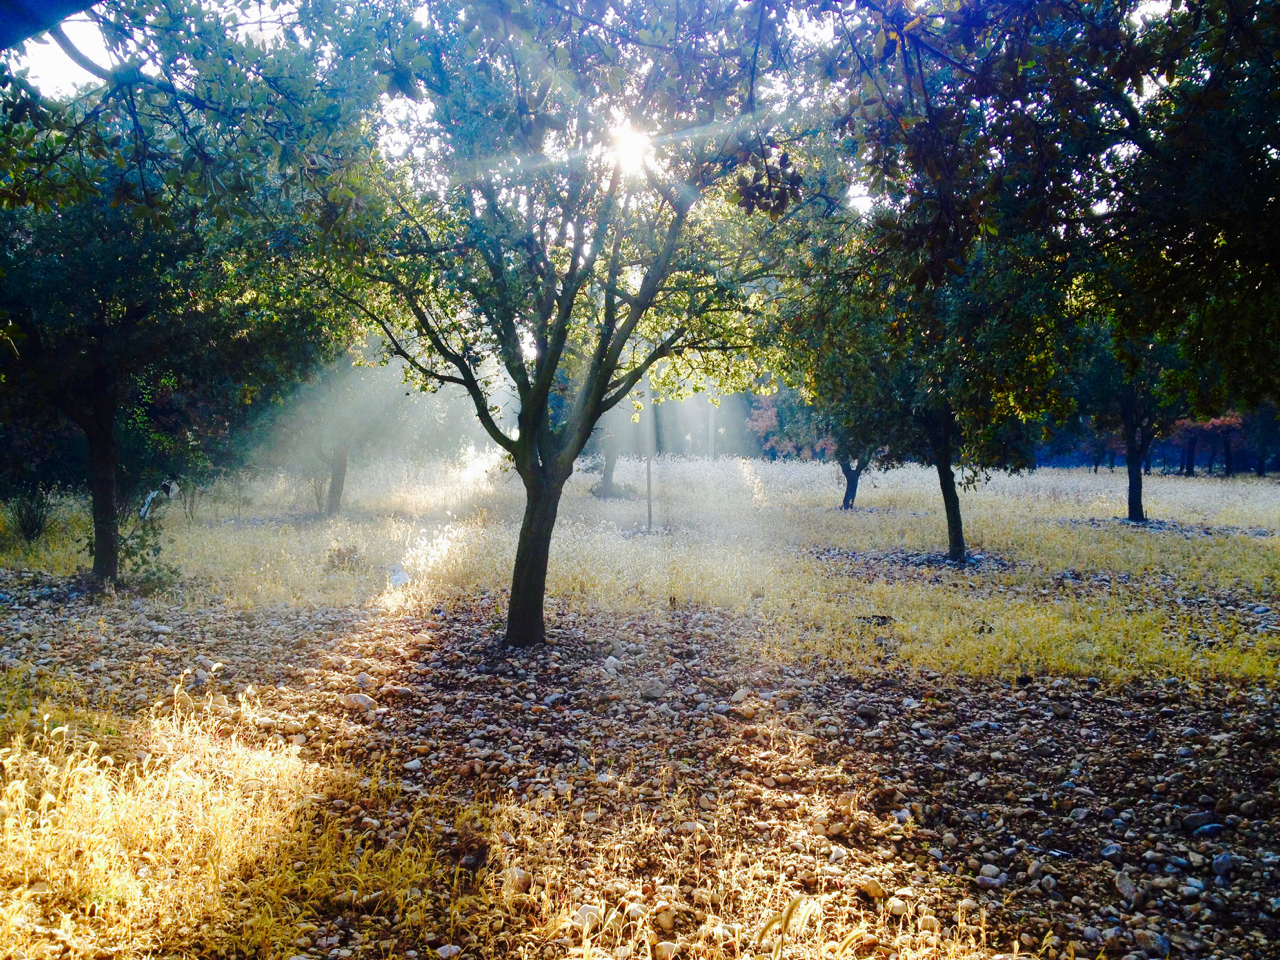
360 701
533 723
652 690
872 888
1151 943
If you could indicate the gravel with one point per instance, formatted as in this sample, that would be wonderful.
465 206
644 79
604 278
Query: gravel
1137 818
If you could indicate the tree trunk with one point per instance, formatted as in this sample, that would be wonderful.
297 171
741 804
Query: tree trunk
103 455
610 462
1146 461
525 625
1228 466
1134 451
950 499
1260 468
1213 453
852 472
337 478
1190 469
1111 461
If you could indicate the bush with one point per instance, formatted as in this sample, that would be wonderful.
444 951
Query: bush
31 510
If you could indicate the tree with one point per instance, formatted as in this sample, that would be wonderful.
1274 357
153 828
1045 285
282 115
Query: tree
960 375
1124 387
20 21
1147 132
790 426
553 226
115 313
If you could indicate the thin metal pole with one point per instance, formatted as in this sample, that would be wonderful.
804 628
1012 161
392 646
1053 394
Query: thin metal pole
651 442
648 486
711 430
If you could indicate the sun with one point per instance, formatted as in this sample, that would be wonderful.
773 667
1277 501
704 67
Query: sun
631 148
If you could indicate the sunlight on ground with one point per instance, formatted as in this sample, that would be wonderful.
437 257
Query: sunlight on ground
762 538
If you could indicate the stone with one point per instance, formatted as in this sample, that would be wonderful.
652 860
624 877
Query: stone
448 951
664 916
360 701
1125 886
1151 943
872 888
1113 853
413 765
520 880
587 918
665 950
652 689
896 906
739 695
1223 865
990 870
1194 821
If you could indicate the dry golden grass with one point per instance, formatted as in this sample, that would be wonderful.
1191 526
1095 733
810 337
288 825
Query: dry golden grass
190 833
185 835
737 534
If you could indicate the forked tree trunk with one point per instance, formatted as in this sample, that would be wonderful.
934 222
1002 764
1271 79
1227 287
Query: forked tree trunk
525 625
947 481
337 478
103 455
852 471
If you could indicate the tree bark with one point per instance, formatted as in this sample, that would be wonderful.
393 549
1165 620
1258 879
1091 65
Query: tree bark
1137 447
1190 463
103 456
1260 468
852 471
337 478
1213 453
610 462
947 481
525 625
1228 464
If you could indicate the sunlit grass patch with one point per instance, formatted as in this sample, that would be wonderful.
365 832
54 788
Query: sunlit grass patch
185 834
739 535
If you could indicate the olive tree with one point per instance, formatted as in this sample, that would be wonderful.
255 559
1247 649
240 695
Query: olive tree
549 220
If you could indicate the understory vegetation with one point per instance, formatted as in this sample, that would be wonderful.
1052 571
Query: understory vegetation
206 824
1059 584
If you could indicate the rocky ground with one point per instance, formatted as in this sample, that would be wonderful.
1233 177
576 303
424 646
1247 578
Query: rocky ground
692 779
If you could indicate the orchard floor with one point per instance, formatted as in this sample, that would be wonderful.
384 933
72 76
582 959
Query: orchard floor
1067 745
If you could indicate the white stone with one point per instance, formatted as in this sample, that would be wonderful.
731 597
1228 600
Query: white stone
587 917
